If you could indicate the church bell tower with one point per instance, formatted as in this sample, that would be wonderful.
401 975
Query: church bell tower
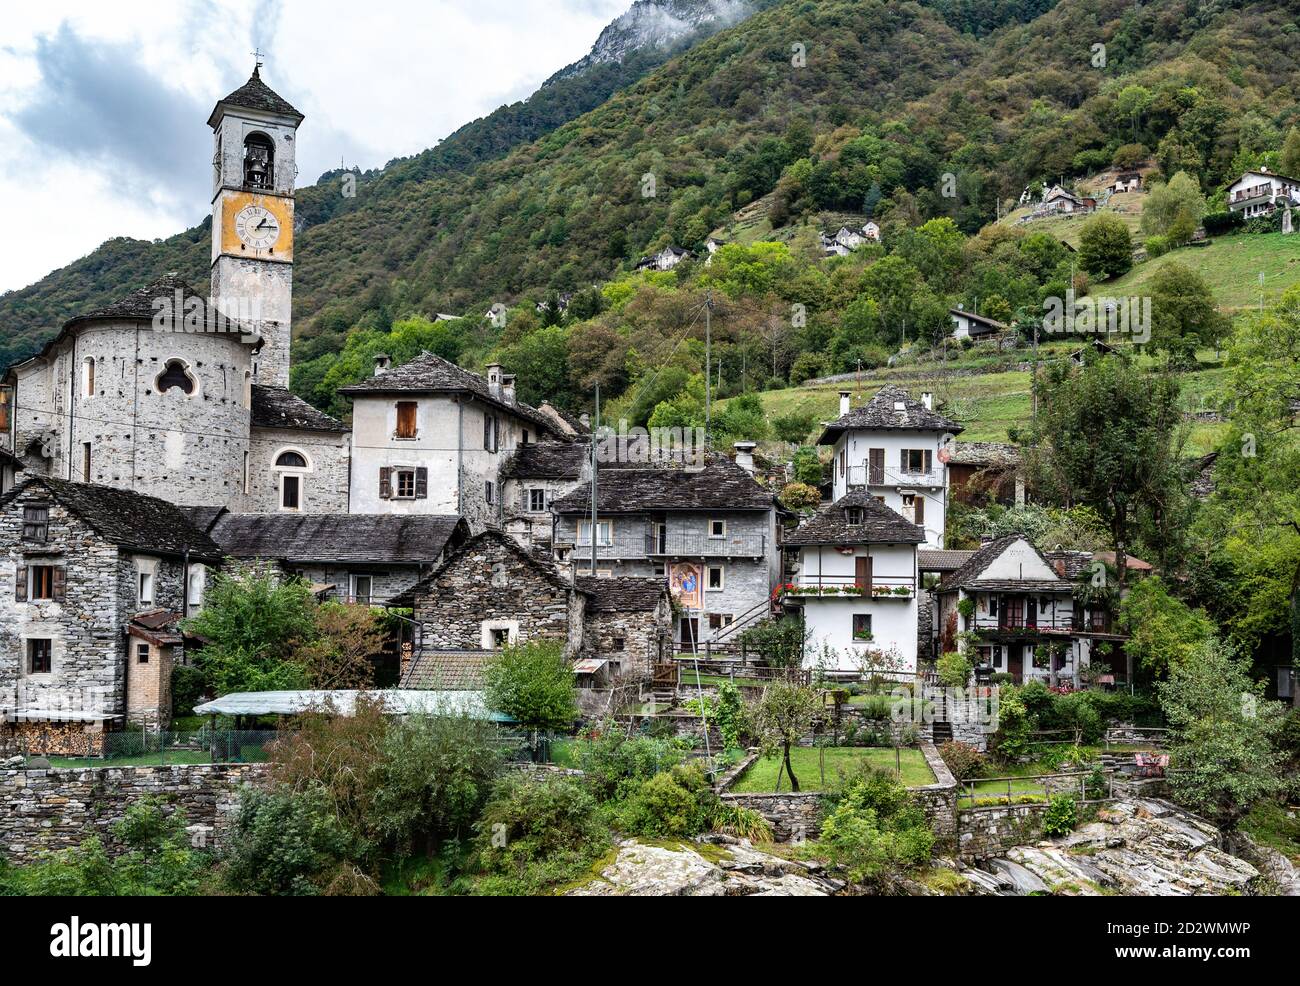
253 171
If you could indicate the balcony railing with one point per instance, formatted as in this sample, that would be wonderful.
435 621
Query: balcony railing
864 475
850 587
620 547
693 545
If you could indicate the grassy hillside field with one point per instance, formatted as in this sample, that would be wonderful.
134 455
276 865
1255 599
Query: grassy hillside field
988 404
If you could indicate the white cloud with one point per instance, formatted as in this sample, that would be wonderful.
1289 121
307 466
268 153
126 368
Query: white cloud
85 88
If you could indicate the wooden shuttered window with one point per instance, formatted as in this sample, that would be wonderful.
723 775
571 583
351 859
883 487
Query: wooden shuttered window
421 483
406 419
59 583
385 483
919 502
20 584
876 466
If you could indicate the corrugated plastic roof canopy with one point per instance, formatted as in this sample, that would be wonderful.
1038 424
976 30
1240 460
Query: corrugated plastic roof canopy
343 702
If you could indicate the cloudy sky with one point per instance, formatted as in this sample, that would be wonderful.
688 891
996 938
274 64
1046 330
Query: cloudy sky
103 106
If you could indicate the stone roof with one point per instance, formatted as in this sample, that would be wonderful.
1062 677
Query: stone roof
203 517
7 458
255 95
158 626
891 409
140 303
942 560
623 594
450 670
980 454
984 323
391 539
429 373
128 519
880 524
546 460
720 485
275 407
545 568
968 576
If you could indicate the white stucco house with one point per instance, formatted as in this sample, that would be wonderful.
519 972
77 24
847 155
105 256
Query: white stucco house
856 583
969 325
1258 193
889 447
429 437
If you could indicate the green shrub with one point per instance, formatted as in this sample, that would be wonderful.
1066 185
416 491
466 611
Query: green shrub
742 822
954 670
794 427
1062 815
873 827
533 684
286 843
535 832
1157 246
962 759
806 366
1219 223
614 764
1011 740
188 685
676 802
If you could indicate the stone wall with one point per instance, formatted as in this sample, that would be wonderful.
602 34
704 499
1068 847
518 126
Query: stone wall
43 810
632 641
324 484
940 798
986 832
492 583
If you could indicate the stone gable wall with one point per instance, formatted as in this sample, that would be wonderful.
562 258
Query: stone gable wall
492 583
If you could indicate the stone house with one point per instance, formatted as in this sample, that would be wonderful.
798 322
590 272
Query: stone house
628 622
429 437
492 593
984 472
666 259
856 583
890 447
361 558
87 573
712 531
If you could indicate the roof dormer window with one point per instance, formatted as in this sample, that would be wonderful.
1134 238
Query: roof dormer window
853 516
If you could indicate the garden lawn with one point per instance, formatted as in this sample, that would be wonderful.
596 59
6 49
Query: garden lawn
761 777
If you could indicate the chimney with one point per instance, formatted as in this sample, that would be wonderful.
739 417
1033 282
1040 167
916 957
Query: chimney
494 378
844 402
927 399
508 387
382 362
745 456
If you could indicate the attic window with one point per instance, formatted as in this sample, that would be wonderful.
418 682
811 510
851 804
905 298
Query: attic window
853 515
175 374
899 406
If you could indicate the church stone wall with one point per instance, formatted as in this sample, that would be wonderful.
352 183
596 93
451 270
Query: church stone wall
325 486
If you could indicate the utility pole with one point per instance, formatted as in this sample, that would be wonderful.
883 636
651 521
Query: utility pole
708 356
594 529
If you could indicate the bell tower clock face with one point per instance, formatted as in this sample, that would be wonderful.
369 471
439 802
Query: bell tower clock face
256 227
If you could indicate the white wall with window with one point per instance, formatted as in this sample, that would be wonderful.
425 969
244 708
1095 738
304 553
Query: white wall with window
902 468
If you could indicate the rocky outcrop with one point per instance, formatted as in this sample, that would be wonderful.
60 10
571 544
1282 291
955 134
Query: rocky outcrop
1140 847
720 867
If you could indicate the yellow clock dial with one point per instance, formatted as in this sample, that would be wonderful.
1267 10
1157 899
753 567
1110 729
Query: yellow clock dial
257 227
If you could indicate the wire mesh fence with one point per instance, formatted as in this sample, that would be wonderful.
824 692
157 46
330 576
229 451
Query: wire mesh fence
133 747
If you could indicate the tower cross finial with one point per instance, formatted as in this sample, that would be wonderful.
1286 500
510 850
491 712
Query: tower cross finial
258 56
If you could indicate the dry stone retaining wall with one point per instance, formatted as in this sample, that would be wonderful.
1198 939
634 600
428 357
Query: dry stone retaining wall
45 810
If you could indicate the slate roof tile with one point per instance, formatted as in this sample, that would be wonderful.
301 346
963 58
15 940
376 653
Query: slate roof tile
891 408
275 407
880 524
405 539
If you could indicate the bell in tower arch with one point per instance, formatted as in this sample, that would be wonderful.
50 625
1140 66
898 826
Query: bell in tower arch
259 158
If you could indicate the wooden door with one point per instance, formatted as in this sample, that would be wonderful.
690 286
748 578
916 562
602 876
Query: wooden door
690 633
862 572
876 461
1015 661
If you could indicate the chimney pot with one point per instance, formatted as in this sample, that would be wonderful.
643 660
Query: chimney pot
745 456
382 362
927 399
844 402
508 387
494 378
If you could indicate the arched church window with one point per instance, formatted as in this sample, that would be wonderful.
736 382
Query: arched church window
259 161
175 374
291 460
290 467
